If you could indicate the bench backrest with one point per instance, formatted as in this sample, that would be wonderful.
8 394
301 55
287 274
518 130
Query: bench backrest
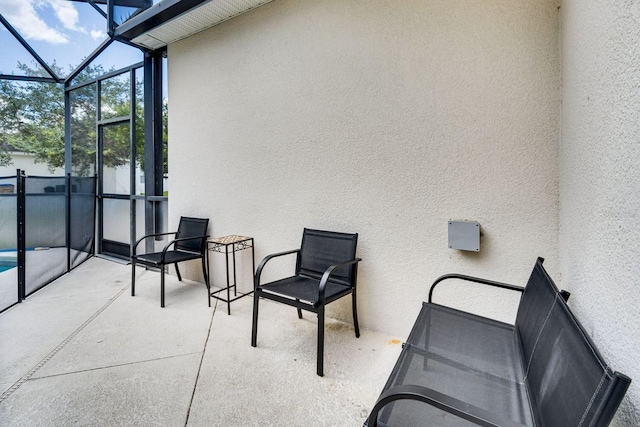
569 382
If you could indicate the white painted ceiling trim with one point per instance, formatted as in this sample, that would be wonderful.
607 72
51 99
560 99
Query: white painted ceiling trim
199 18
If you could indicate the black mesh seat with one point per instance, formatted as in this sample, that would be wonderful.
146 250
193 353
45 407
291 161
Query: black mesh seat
306 289
326 270
189 244
465 357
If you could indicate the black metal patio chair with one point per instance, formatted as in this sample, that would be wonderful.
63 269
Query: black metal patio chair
190 243
326 270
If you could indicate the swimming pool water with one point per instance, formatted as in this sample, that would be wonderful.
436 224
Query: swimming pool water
7 265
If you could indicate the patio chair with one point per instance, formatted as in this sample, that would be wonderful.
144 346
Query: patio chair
326 270
190 243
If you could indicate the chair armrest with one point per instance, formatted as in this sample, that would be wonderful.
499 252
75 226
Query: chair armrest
174 241
441 401
256 280
327 274
473 279
146 237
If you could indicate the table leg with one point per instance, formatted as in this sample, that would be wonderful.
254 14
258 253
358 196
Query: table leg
226 255
235 288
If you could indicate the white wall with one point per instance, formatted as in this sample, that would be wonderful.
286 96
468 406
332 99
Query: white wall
26 162
600 180
377 117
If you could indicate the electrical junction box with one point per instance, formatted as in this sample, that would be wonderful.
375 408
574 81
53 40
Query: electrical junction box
464 235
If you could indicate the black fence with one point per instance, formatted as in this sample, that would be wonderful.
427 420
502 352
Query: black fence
47 227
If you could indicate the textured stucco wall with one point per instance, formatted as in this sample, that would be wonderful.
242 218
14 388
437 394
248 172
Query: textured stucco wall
385 118
600 180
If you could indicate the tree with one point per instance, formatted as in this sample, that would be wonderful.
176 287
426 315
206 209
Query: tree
32 120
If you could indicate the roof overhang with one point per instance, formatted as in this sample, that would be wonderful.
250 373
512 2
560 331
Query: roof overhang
172 20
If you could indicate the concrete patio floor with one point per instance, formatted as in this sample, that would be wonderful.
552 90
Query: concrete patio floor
82 351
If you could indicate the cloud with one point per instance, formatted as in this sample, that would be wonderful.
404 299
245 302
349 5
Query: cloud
24 18
97 34
66 14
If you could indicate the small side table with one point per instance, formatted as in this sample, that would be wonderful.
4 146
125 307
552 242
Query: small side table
230 244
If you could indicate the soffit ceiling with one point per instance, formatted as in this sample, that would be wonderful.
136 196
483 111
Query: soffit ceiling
167 29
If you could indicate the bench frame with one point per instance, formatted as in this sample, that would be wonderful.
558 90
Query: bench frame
422 393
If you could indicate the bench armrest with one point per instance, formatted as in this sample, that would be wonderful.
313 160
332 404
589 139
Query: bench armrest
441 401
473 279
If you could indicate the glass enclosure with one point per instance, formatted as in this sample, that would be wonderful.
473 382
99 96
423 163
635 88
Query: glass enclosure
82 219
8 242
116 159
46 228
81 116
61 37
83 130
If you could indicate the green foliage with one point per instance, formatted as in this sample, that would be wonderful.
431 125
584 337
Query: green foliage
83 130
25 118
114 103
32 120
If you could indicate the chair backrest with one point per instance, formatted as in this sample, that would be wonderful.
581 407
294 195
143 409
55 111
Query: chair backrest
568 380
321 249
192 227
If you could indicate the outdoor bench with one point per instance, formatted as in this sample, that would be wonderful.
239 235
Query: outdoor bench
458 368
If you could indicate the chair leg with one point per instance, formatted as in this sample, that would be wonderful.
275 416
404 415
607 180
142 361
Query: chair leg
178 272
206 281
254 327
299 311
320 362
355 314
133 277
162 286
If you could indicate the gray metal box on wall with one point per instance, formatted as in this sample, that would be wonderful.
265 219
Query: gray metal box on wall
464 235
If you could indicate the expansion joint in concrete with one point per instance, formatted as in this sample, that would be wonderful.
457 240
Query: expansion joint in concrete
204 349
55 351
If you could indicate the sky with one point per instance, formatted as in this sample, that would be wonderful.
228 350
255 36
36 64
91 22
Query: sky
59 30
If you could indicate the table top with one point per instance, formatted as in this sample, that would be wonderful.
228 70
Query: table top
228 240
